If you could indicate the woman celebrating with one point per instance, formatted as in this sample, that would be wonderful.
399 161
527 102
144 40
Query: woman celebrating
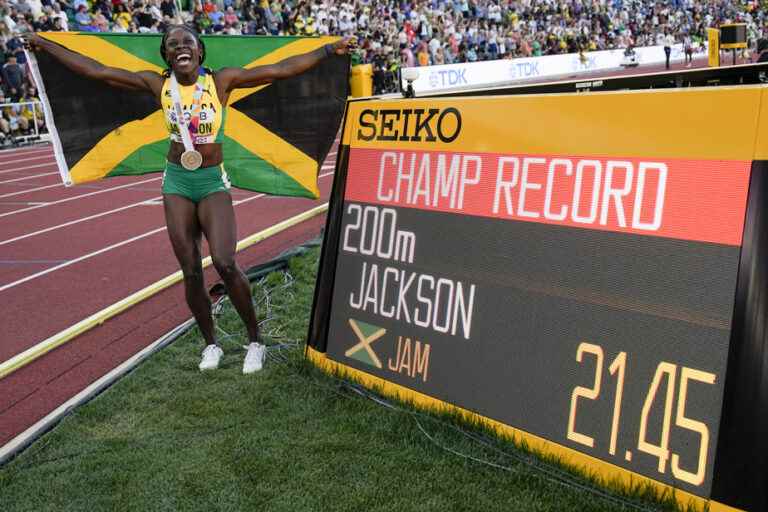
195 187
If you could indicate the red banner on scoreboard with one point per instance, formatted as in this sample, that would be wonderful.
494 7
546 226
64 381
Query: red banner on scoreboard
696 200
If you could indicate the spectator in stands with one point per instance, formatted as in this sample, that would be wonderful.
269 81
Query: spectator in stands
230 18
61 16
5 32
121 18
84 20
16 48
216 17
762 50
155 10
16 123
439 57
142 14
43 23
201 19
31 111
379 74
13 78
422 56
104 7
23 8
100 22
406 56
168 7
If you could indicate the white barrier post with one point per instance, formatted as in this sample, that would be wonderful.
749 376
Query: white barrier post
34 117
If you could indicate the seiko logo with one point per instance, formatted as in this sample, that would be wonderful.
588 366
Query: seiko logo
413 125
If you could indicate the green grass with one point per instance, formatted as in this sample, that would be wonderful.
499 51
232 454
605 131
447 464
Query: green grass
290 438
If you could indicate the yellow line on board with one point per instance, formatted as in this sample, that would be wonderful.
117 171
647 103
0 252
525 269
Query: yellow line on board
32 353
591 465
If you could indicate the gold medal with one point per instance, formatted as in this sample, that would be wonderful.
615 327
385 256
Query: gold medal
191 160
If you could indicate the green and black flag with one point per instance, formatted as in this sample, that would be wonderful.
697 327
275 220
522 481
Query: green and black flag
276 136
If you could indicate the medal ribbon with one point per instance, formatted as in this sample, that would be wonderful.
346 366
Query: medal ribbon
187 129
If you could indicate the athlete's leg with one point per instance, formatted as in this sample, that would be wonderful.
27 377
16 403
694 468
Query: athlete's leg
185 234
217 220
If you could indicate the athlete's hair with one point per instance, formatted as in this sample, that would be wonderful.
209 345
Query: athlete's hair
187 28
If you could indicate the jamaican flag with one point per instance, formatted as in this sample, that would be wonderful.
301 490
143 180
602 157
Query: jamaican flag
275 135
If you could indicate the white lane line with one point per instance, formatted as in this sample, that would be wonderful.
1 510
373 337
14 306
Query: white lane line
241 201
27 191
16 169
77 221
113 246
73 198
81 258
28 177
26 151
30 262
51 157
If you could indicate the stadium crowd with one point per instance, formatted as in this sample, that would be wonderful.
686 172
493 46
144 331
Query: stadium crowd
393 33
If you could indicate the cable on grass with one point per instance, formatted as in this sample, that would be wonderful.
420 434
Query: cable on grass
262 301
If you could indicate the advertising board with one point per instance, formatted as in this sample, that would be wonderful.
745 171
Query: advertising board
447 77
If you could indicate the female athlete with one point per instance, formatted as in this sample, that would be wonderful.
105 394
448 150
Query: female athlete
195 187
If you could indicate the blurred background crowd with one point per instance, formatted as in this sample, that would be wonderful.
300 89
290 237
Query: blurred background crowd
390 33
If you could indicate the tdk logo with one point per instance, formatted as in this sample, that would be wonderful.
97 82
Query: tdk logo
448 77
523 69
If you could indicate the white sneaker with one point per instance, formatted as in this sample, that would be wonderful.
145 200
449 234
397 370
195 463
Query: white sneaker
211 356
254 358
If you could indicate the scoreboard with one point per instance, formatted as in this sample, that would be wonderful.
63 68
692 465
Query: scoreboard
733 36
581 271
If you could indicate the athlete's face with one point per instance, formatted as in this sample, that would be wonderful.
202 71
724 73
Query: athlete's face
182 51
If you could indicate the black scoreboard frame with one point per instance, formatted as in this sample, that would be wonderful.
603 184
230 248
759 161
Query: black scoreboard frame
740 472
732 31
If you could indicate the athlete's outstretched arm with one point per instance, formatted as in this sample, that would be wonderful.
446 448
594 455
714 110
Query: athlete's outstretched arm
235 78
88 67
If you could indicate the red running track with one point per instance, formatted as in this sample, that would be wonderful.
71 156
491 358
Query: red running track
67 253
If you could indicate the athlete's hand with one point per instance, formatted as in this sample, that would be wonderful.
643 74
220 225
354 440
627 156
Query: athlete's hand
344 45
32 41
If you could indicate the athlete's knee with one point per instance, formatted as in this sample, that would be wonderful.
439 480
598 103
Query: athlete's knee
192 272
226 267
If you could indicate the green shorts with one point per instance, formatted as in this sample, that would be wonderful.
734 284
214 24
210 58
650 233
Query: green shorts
194 185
